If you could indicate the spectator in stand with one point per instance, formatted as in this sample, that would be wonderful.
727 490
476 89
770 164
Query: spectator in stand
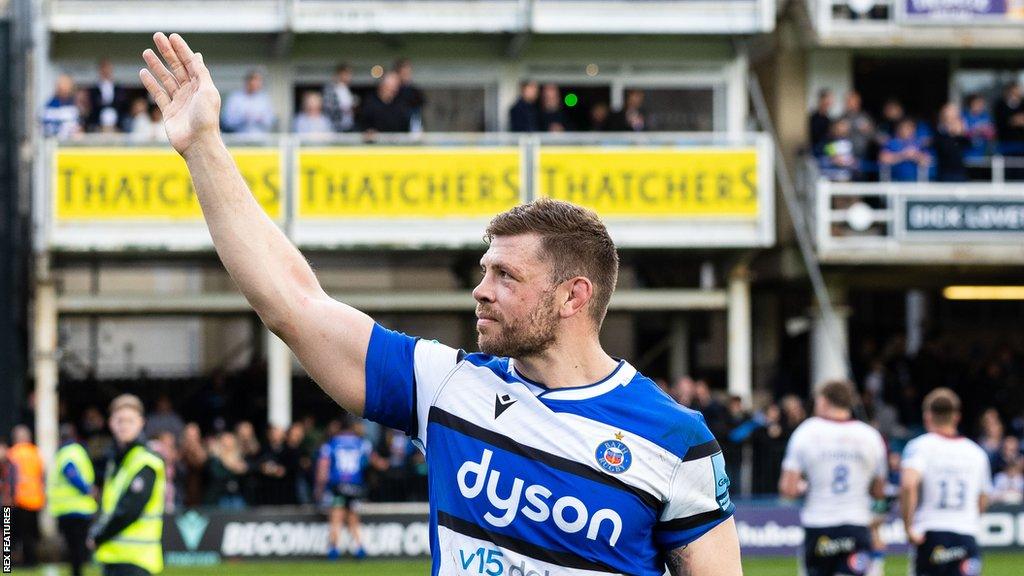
794 412
84 105
311 120
839 162
60 117
903 155
524 115
409 95
248 443
1009 452
979 127
146 121
166 445
164 419
862 126
992 434
29 493
108 103
194 456
249 111
632 117
339 102
600 117
277 470
821 121
303 461
383 111
683 391
951 144
1009 115
552 117
1008 485
227 469
892 115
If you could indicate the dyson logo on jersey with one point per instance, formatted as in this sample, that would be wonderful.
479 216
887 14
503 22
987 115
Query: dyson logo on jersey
570 514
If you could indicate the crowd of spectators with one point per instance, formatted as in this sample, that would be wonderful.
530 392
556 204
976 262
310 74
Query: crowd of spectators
854 146
892 383
235 466
393 105
228 462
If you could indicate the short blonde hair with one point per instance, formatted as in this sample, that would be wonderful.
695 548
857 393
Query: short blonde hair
943 405
127 401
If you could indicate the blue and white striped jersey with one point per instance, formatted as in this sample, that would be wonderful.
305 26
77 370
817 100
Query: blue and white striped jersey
530 481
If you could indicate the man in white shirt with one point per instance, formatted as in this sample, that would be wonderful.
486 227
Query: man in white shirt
839 464
945 483
249 111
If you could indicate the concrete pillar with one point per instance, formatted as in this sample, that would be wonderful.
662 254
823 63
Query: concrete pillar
279 381
917 315
736 95
44 359
679 347
829 353
740 354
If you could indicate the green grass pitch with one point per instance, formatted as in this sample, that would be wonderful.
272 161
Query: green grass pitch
1002 564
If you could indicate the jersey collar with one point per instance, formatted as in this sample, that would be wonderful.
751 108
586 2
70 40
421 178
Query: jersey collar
622 375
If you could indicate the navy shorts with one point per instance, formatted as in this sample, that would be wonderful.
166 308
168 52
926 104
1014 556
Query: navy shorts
344 495
836 550
947 554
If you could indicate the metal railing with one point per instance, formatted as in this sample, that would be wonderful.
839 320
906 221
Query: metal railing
874 215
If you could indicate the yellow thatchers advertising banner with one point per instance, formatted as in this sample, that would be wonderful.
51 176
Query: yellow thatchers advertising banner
407 182
653 182
147 184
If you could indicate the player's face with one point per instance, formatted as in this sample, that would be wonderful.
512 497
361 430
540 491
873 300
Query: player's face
126 425
516 311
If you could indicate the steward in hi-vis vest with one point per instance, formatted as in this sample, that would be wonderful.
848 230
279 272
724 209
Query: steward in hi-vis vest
69 494
127 535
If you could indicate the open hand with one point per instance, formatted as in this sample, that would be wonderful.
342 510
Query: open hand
183 90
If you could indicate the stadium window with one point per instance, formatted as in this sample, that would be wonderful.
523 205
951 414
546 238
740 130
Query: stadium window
454 109
690 109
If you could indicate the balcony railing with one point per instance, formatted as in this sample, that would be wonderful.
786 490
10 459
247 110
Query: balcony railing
412 192
934 222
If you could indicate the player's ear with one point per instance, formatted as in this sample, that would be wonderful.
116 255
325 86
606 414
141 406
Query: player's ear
580 292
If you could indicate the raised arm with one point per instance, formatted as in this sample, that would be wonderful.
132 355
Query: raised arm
329 338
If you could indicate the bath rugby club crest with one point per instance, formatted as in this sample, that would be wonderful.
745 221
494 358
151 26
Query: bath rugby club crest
613 455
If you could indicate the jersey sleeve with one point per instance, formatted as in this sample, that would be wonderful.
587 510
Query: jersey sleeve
882 468
698 498
402 375
794 460
985 469
914 457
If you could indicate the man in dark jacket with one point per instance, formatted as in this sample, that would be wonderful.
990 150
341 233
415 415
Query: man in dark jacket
383 111
524 115
108 102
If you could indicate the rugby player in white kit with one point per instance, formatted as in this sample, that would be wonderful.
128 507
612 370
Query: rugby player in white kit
839 464
944 487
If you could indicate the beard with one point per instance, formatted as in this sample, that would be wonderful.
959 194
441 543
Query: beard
528 335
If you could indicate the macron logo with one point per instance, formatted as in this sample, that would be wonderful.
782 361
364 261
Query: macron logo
569 514
502 402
